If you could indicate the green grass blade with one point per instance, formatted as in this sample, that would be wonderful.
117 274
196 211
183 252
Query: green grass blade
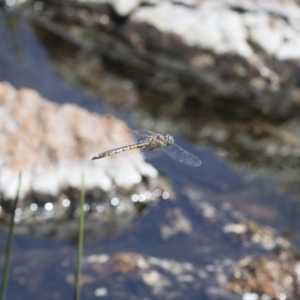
8 250
80 242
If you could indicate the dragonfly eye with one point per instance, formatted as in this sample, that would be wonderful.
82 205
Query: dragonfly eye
170 140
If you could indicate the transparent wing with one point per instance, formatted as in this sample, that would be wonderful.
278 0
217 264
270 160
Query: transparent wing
140 135
150 154
182 156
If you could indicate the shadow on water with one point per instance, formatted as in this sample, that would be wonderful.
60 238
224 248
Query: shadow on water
188 228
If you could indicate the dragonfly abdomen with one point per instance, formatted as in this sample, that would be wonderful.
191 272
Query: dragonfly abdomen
118 150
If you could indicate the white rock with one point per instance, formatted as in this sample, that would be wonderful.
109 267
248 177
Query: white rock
52 146
209 26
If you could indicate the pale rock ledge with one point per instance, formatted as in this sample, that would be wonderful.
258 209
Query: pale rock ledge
52 146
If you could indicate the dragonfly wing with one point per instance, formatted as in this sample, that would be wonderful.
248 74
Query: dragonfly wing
150 154
182 156
140 135
143 132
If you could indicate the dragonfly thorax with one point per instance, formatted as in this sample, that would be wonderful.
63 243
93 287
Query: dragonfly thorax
158 141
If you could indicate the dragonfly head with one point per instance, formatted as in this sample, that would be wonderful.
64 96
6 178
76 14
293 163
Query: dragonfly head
170 140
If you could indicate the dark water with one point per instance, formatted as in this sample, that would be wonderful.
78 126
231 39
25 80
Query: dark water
42 266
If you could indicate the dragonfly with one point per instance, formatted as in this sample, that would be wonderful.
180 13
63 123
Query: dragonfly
152 142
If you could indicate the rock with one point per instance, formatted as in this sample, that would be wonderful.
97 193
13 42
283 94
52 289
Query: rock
209 26
161 278
176 223
122 275
228 56
52 145
266 237
269 277
222 26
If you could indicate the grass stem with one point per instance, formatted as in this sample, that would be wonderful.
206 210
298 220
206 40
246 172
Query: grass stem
8 250
80 242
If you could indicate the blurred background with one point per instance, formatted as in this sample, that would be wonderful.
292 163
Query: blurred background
222 77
